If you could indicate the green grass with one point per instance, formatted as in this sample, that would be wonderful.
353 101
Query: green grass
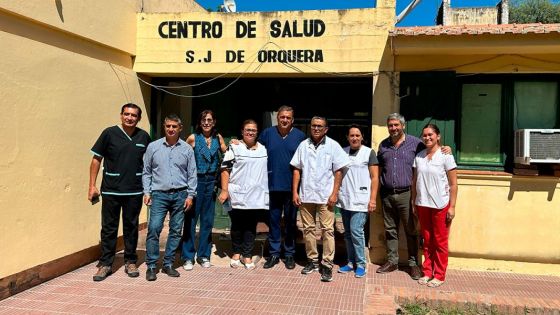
420 308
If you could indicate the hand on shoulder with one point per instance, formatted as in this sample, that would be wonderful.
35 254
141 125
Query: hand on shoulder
446 150
234 141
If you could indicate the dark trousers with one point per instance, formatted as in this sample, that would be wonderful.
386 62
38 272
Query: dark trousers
243 230
110 215
396 209
281 202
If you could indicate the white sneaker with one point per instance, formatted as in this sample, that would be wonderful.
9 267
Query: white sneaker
234 263
205 263
188 266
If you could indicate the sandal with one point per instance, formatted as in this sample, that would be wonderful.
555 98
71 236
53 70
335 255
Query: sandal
424 280
434 283
234 263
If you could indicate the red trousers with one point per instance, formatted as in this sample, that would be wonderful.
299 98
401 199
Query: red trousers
435 231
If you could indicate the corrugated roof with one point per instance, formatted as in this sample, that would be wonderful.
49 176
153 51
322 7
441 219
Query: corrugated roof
535 28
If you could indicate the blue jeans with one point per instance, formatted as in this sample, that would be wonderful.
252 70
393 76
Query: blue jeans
162 203
281 202
204 204
354 236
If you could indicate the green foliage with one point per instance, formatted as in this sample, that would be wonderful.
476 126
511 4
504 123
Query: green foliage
421 308
534 11
217 9
415 309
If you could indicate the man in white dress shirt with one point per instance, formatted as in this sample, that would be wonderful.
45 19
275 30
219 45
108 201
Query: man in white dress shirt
318 163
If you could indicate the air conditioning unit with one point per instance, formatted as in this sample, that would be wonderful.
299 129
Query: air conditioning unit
537 146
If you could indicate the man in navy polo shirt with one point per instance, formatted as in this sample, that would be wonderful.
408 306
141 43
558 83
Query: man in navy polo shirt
281 142
121 149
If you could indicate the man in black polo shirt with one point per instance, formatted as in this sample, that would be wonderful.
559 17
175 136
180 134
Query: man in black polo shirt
121 149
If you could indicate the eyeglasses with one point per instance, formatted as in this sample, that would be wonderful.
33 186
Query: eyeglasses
318 127
207 120
250 130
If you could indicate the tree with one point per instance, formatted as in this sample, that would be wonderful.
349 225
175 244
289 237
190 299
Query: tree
534 11
219 8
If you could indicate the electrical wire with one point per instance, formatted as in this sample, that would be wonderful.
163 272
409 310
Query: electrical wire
214 78
254 56
162 89
128 98
296 68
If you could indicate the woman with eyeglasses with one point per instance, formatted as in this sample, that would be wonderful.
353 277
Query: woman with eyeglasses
207 144
434 194
244 179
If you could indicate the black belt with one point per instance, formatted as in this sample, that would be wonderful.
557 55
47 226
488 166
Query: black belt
396 191
172 191
207 174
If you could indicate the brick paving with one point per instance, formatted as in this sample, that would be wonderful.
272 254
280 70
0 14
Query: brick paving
223 290
487 292
216 290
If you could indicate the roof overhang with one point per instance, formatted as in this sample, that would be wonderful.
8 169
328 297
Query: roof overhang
476 39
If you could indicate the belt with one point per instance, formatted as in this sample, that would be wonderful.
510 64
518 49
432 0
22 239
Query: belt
206 174
172 191
396 191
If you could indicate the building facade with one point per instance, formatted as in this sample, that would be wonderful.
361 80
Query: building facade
481 84
68 66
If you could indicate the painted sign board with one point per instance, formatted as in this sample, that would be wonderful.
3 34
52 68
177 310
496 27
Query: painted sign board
320 42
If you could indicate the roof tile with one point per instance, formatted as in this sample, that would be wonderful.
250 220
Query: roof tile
535 28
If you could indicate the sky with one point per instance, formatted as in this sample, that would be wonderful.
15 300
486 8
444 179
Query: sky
424 13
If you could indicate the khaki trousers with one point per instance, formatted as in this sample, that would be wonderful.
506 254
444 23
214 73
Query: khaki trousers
308 212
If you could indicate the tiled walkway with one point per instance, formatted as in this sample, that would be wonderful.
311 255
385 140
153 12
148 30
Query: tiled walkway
223 290
217 290
504 293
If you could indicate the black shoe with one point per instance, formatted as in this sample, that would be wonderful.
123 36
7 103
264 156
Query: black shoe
388 267
168 270
273 260
310 267
326 274
151 274
290 262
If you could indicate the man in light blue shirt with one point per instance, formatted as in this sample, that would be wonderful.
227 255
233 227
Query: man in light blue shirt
169 180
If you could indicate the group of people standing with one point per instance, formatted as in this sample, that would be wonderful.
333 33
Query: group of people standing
278 171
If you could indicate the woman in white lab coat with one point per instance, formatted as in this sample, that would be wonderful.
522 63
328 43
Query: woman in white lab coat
244 179
357 198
